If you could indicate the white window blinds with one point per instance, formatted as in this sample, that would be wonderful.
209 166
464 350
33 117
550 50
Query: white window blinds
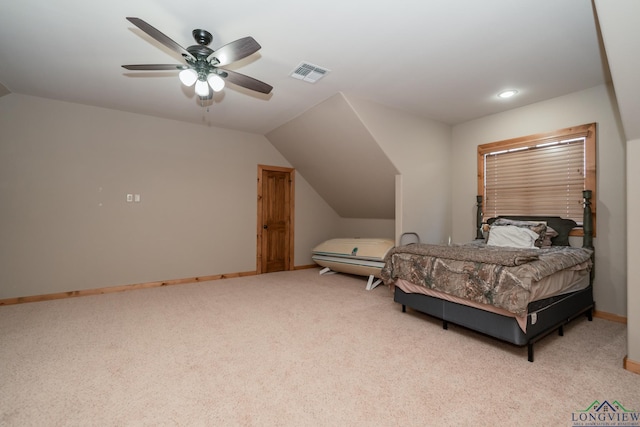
544 178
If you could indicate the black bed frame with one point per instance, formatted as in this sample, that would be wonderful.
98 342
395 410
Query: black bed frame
555 312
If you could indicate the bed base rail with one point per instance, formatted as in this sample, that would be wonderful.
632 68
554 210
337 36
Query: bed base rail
560 327
498 326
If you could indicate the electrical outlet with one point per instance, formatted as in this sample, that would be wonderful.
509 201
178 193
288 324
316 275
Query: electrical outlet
129 197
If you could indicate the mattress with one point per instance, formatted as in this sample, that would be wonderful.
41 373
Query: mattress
508 278
359 256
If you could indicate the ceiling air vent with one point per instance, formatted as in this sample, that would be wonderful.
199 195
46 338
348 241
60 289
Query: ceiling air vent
309 72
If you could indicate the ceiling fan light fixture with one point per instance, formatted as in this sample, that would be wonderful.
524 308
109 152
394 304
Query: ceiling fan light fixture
202 61
216 82
188 77
202 88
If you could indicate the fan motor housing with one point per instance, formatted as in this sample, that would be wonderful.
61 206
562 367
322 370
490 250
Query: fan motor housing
202 37
199 51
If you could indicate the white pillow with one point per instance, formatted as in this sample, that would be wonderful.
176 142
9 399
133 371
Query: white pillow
512 236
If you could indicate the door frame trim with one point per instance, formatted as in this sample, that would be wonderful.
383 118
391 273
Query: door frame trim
291 207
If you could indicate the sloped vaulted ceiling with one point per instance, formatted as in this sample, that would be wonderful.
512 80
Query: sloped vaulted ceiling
333 150
619 23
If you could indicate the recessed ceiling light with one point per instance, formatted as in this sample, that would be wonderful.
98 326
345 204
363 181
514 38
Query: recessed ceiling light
507 93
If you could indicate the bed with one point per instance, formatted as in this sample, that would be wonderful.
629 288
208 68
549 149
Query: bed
518 295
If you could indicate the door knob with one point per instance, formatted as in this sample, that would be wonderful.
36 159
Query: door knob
265 227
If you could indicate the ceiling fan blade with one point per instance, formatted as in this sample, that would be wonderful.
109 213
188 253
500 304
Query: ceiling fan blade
159 36
246 81
235 51
157 67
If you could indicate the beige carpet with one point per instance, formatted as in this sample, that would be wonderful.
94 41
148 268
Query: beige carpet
289 349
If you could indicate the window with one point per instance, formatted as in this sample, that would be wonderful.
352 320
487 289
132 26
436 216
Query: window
541 174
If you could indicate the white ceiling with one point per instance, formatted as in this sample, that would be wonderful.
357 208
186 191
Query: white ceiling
443 60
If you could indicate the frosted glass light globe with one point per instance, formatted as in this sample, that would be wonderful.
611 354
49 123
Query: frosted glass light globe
188 77
216 82
202 88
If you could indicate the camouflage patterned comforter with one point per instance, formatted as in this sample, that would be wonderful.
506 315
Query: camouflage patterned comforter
502 277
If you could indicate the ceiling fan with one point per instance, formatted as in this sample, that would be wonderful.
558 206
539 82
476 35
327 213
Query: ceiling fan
202 63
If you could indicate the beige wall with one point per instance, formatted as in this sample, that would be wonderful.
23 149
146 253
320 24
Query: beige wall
621 35
315 221
592 105
420 150
633 248
363 227
65 225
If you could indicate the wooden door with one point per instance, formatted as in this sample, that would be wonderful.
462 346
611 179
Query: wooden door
275 219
